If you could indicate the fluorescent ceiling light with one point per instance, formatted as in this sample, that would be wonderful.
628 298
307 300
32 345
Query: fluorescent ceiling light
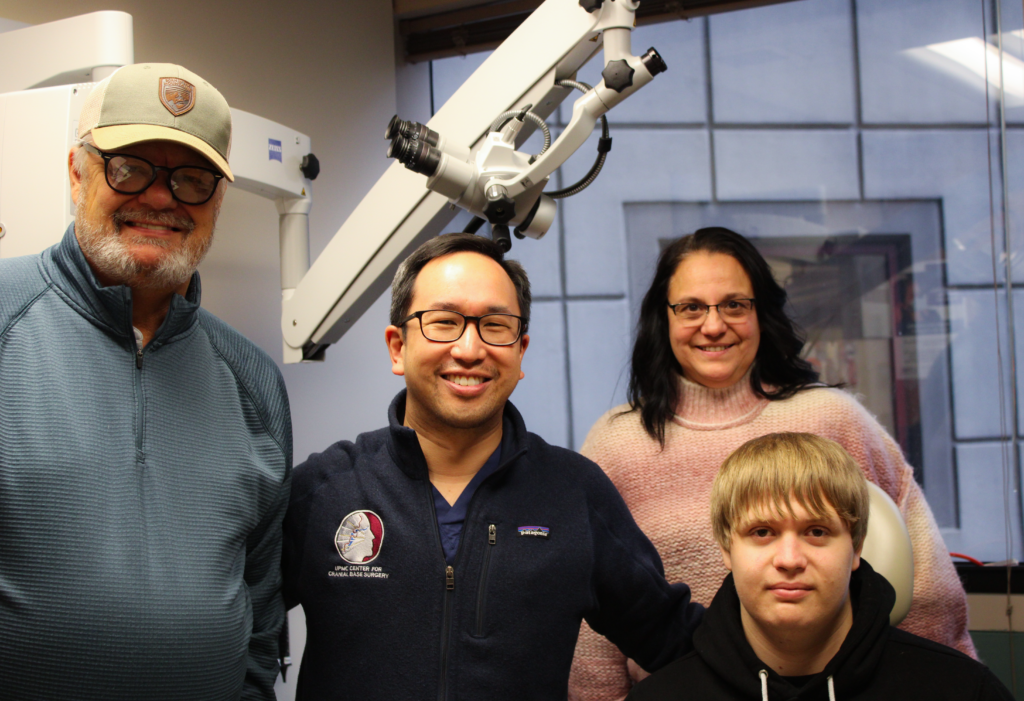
974 61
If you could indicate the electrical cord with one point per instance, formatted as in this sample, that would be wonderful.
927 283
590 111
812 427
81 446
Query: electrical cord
973 561
503 118
474 225
604 145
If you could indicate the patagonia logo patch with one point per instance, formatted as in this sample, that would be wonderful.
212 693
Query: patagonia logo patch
275 150
538 531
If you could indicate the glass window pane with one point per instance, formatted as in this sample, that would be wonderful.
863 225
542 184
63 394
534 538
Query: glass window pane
861 147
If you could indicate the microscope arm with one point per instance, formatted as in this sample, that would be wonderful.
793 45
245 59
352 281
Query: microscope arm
399 212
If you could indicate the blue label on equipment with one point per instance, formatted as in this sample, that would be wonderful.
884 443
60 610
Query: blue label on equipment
275 150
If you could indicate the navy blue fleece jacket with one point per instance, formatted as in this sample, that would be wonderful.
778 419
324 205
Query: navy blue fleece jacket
547 542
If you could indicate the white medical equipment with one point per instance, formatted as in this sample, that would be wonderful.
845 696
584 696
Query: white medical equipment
41 96
887 547
468 163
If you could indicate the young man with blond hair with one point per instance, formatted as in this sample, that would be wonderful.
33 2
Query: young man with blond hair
802 616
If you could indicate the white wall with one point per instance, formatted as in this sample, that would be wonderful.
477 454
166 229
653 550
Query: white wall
325 68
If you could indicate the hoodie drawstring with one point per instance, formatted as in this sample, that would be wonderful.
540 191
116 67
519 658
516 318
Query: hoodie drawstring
764 686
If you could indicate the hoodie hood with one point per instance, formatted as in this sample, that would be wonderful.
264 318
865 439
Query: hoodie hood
723 647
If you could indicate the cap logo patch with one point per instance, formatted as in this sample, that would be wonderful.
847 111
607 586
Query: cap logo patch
177 95
359 537
536 531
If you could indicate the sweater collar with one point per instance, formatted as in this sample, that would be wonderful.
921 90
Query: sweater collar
722 644
405 449
65 266
705 409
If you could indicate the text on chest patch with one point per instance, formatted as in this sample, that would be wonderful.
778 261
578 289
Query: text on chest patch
538 531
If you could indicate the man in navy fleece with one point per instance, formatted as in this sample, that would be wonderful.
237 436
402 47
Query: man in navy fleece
459 549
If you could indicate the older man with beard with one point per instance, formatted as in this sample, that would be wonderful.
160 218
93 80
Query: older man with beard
145 446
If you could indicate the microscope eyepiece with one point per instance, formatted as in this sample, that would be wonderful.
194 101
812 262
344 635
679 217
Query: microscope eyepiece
653 61
418 156
410 130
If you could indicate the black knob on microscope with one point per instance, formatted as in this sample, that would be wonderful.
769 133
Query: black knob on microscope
618 75
310 166
500 210
500 236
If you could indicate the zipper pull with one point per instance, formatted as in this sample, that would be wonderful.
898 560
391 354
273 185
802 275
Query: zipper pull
492 534
449 578
138 359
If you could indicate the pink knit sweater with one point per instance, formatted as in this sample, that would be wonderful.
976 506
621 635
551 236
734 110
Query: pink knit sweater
668 492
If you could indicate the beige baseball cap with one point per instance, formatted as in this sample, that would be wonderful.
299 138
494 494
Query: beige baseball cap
158 101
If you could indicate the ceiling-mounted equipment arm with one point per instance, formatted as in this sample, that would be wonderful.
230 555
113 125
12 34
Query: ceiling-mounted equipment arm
38 56
479 169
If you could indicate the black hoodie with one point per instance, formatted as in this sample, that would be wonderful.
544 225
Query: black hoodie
875 661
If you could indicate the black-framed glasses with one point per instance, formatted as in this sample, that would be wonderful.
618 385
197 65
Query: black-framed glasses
130 175
445 326
731 311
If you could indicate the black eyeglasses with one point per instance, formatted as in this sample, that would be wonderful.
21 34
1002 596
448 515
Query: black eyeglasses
445 326
732 311
130 175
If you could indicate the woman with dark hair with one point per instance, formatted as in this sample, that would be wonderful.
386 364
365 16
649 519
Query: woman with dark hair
716 363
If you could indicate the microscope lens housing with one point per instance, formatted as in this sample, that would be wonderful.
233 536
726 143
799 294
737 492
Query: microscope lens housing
416 155
411 130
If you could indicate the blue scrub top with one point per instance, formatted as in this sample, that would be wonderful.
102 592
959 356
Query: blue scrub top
450 517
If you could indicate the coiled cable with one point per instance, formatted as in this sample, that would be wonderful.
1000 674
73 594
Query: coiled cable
502 118
604 145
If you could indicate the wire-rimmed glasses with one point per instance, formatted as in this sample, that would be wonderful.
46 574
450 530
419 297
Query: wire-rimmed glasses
733 311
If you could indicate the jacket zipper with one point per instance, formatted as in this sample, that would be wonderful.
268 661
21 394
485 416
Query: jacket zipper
449 587
481 596
449 592
449 573
139 421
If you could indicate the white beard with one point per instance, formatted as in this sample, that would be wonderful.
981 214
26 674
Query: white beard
106 248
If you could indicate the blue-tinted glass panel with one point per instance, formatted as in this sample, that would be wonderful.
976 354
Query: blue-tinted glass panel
644 165
542 395
979 351
799 72
450 73
922 61
598 360
786 165
952 166
987 503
